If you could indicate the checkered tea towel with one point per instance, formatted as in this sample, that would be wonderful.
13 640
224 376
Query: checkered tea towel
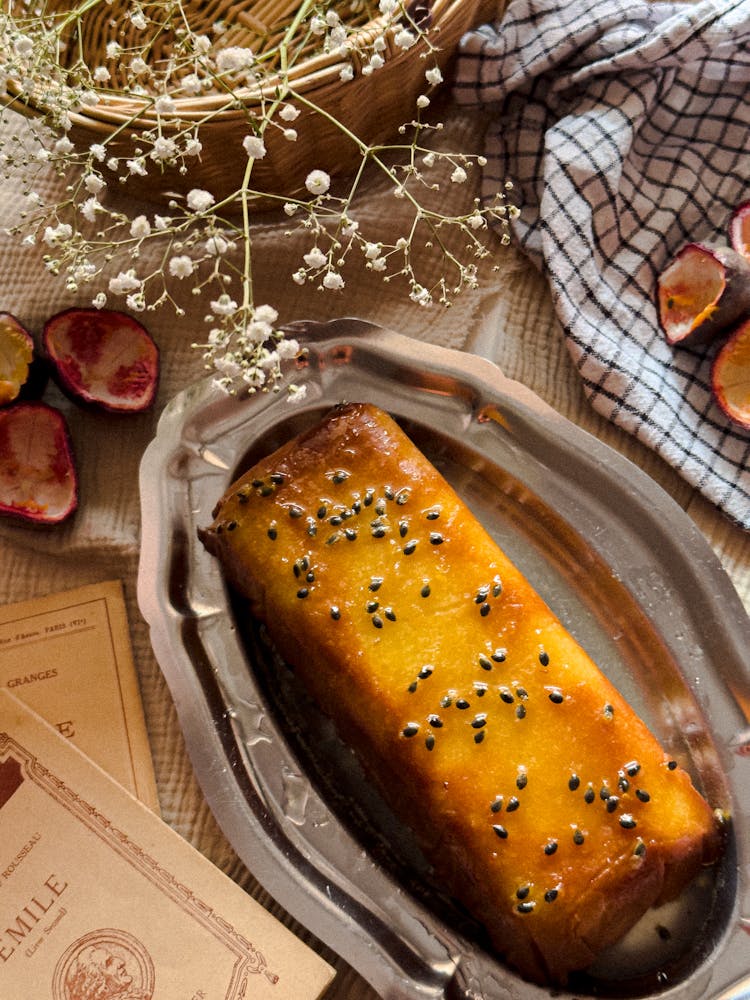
625 129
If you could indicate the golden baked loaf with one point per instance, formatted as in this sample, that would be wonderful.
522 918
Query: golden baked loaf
540 798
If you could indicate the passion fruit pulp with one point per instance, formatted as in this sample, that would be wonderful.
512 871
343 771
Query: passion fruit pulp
103 359
16 358
730 376
38 480
703 291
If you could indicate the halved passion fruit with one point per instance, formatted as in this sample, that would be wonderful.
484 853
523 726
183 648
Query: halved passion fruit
702 292
38 481
739 230
16 357
103 359
730 376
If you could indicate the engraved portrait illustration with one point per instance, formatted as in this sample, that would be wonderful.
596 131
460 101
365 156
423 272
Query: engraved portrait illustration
105 964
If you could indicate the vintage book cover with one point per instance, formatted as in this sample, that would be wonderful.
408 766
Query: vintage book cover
101 900
68 656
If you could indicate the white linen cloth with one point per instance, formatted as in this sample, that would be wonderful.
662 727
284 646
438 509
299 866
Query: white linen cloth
625 128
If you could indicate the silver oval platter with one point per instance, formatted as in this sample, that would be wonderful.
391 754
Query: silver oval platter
618 561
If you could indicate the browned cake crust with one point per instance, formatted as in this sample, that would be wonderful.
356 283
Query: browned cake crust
540 798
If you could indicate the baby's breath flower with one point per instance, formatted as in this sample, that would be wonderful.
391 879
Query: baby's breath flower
333 281
317 182
199 200
254 147
157 62
181 267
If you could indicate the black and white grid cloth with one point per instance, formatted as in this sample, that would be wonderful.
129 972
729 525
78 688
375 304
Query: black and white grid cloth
625 128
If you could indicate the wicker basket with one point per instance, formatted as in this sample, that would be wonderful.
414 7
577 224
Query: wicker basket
372 107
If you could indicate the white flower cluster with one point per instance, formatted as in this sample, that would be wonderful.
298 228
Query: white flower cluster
205 242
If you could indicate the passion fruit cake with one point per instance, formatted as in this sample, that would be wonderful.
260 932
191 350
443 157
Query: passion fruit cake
540 798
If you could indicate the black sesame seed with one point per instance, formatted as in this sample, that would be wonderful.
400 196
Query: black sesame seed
478 737
589 795
369 497
273 534
389 494
484 610
485 663
243 496
612 803
335 520
500 831
340 476
257 483
526 907
544 658
640 849
478 721
412 687
550 847
425 671
390 614
231 526
410 729
643 795
627 822
372 607
322 511
266 490
295 511
429 741
622 783
672 765
506 696
276 478
446 701
462 703
499 655
435 720
522 693
481 688
523 891
520 711
332 539
310 577
402 497
497 805
376 583
556 697
578 837
425 591
410 546
356 507
403 528
377 621
573 782
522 780
312 530
335 612
632 768
432 515
550 895
297 569
380 507
378 532
604 793
302 592
513 804
497 588
609 711
482 595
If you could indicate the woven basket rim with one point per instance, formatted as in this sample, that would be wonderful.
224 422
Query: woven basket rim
115 110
